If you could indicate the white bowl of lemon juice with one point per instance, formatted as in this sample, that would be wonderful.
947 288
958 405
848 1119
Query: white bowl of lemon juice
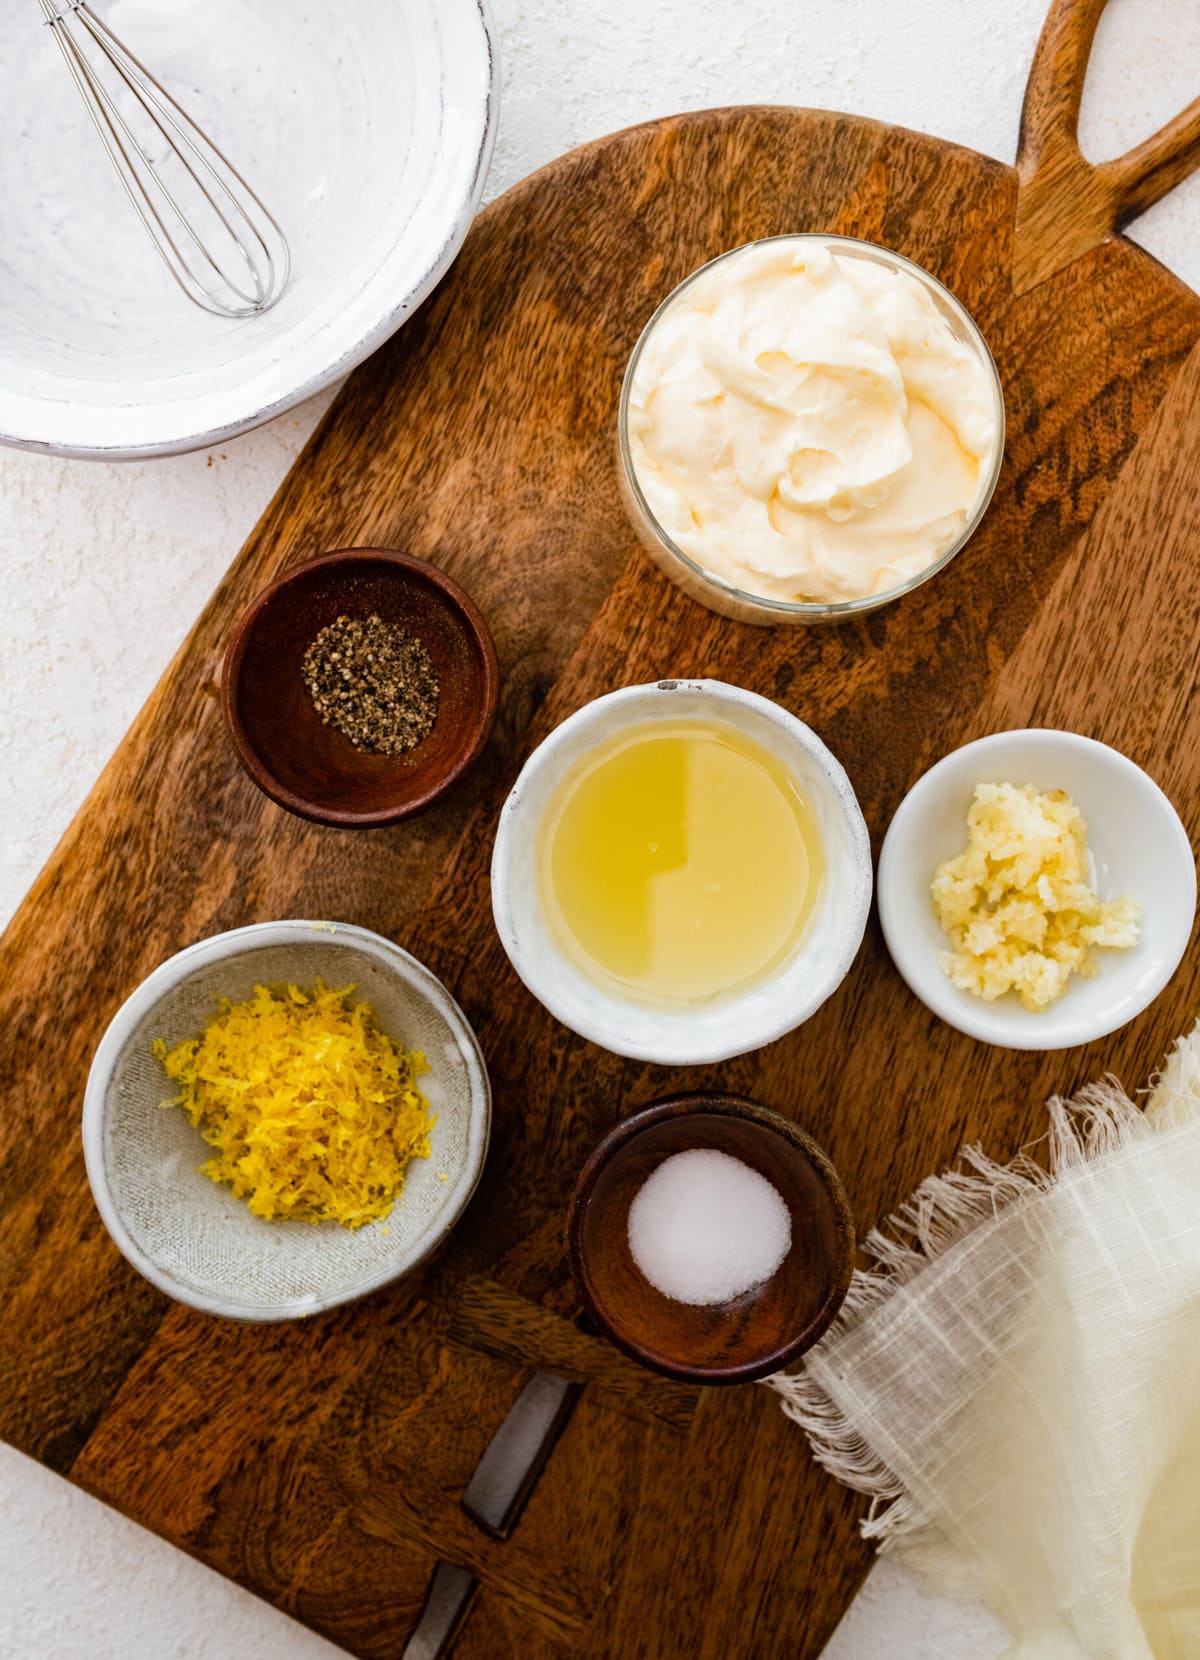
682 872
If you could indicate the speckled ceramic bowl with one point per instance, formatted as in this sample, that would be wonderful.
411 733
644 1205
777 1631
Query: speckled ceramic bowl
367 129
190 1237
708 1031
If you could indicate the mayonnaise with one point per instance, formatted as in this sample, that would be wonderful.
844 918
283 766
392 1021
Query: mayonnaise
806 424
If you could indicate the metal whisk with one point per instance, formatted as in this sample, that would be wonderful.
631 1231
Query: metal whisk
216 238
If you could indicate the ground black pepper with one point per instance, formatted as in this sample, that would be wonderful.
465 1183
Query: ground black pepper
374 682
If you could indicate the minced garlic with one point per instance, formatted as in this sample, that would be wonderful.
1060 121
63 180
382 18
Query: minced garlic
313 1111
1017 904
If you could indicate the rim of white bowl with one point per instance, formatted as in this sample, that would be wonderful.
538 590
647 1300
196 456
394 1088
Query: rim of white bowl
169 974
1001 1024
512 829
24 422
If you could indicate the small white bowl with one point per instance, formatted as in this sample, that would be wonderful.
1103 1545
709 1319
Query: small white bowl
729 1026
190 1236
1136 846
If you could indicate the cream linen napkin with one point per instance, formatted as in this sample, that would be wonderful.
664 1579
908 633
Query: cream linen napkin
1016 1384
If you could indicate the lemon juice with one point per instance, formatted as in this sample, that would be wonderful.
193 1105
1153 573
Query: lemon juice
679 862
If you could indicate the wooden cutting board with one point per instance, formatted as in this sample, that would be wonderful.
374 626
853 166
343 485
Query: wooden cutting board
321 1463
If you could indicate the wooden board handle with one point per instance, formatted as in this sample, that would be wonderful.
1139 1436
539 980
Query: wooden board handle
1067 205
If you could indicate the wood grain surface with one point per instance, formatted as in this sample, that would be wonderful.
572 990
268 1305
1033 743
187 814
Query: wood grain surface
321 1463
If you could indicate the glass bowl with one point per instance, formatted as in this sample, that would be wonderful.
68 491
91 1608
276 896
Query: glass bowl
714 591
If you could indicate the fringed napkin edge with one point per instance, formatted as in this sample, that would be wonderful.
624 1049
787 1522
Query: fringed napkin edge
942 1213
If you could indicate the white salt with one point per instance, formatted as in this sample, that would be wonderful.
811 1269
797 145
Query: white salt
704 1228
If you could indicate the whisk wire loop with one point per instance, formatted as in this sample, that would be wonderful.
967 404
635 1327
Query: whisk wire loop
259 250
161 117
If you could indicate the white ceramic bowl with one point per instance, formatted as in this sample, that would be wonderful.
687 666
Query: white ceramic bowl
728 1026
366 127
190 1236
1136 846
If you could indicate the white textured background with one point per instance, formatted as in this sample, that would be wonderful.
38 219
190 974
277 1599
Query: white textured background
105 567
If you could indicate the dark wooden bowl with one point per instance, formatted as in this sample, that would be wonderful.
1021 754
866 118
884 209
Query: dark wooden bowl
770 1325
312 769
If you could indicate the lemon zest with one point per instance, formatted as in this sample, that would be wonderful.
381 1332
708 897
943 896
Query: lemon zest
313 1112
